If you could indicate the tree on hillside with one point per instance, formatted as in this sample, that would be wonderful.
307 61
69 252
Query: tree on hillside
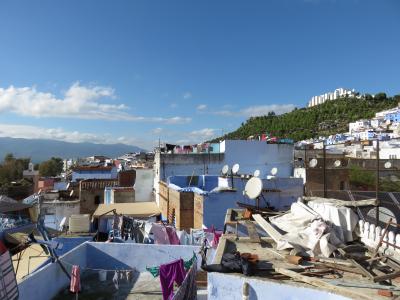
51 167
380 96
12 168
322 120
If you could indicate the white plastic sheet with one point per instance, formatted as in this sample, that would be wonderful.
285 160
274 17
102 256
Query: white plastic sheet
319 231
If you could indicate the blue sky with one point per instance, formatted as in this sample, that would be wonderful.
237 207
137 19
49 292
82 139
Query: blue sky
184 71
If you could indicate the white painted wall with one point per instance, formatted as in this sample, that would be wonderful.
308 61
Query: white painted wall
144 185
389 153
300 173
55 211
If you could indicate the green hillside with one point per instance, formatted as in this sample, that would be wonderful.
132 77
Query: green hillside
328 118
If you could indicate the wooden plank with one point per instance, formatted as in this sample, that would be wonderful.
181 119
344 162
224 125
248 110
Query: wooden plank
365 272
324 285
253 234
338 267
272 232
387 276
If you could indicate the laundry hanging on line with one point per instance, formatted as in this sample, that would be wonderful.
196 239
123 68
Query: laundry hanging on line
75 284
155 271
169 274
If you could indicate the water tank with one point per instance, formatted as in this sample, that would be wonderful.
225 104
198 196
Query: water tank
79 223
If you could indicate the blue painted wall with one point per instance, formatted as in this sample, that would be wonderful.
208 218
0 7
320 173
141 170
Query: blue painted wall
215 204
49 280
95 174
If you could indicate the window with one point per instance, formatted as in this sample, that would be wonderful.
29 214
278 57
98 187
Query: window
97 200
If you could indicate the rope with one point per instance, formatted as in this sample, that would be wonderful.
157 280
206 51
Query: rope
95 269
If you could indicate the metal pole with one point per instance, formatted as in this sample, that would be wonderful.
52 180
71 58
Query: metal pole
377 185
324 171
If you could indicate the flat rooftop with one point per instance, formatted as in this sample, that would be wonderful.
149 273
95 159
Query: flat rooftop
271 259
273 272
97 259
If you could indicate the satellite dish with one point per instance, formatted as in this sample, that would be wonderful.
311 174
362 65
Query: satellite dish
235 169
274 171
313 163
72 192
337 163
225 170
253 188
388 165
243 176
256 173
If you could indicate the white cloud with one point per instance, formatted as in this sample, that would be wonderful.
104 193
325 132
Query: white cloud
157 130
203 134
201 107
187 95
185 137
257 110
83 102
173 120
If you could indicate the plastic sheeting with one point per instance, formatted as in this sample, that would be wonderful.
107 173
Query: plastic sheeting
317 232
343 219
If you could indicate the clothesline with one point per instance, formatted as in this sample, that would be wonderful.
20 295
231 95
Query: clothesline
95 269
110 270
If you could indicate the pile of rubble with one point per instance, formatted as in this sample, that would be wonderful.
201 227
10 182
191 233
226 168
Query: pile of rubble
323 236
318 243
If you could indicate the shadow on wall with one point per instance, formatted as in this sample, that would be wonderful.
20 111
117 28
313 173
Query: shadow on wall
98 259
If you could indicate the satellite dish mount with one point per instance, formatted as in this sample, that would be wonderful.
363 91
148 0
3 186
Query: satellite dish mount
254 189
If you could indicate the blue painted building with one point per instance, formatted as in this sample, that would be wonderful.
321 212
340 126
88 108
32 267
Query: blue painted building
214 195
393 116
87 172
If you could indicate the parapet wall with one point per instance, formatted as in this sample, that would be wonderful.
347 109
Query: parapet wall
371 235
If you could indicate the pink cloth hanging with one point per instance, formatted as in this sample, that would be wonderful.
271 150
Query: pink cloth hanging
216 235
170 273
75 286
172 236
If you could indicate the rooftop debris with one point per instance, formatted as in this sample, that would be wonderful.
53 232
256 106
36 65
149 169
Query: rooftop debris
319 244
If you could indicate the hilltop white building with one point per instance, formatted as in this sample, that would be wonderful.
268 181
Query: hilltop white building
336 94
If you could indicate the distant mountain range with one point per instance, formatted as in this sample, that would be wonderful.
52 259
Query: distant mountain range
39 150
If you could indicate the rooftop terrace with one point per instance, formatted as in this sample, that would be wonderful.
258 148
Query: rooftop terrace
95 258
